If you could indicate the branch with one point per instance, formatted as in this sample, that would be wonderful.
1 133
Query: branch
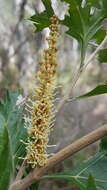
80 71
65 153
66 97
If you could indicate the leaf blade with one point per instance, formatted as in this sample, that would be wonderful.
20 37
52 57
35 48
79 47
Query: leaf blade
99 90
96 167
6 162
14 119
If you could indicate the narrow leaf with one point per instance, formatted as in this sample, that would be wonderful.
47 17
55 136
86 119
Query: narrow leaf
101 89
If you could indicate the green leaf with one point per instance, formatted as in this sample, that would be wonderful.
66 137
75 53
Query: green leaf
42 20
96 167
77 22
99 36
14 119
91 184
48 7
102 57
6 164
101 89
82 24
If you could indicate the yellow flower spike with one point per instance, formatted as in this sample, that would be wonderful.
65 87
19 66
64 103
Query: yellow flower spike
42 111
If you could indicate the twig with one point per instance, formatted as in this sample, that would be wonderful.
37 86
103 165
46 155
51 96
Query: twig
96 51
64 100
65 153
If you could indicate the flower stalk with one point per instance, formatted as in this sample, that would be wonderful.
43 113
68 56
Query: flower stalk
42 109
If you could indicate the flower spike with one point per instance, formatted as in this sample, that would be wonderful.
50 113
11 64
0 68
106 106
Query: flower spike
42 110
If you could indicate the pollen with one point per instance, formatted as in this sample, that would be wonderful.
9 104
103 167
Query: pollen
42 108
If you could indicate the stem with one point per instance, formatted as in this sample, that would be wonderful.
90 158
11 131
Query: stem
83 51
65 98
65 153
96 51
81 70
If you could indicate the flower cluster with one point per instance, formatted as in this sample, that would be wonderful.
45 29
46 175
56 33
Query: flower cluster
42 109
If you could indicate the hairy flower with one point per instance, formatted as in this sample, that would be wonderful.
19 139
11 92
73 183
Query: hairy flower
42 109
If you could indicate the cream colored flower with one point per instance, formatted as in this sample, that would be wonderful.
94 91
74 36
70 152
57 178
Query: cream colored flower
42 109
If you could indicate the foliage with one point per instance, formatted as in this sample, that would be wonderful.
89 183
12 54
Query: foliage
14 119
84 23
91 174
6 162
95 167
11 132
42 20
